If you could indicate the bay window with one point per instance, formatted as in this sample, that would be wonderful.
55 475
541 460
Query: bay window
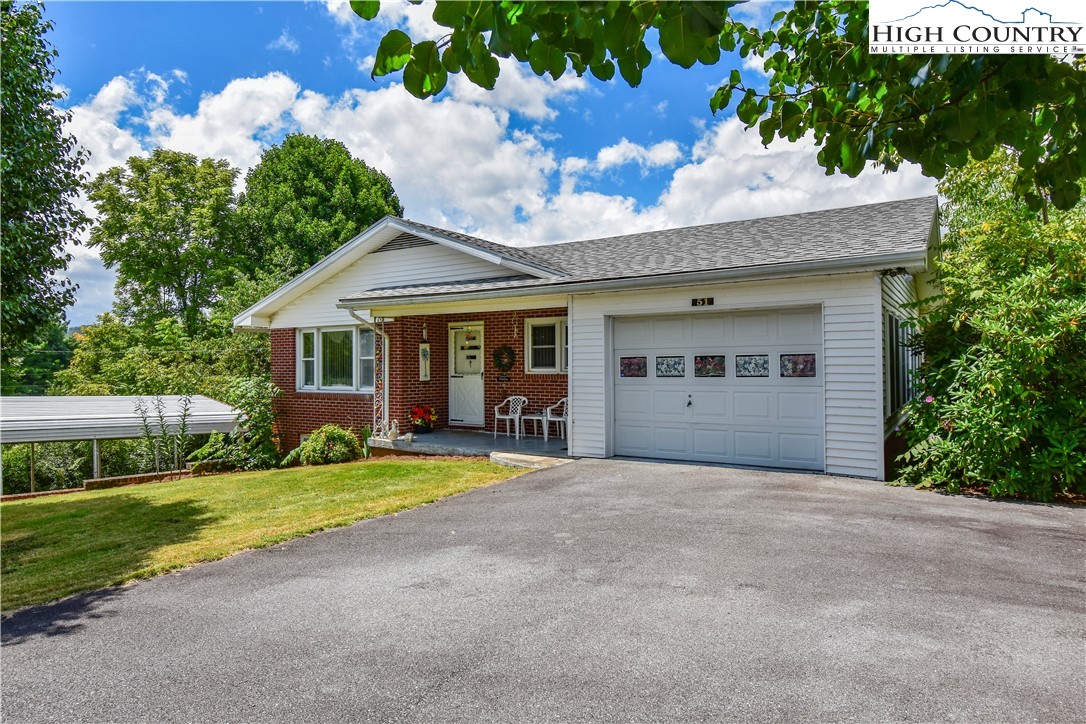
339 359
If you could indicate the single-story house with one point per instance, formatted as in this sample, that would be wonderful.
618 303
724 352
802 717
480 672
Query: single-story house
774 342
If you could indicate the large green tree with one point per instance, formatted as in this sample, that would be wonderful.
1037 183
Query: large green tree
32 371
1001 401
305 198
166 224
937 111
40 175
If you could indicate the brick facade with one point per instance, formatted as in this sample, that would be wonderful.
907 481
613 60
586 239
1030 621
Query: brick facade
301 412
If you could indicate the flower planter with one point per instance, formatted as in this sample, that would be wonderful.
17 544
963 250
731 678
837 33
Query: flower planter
422 429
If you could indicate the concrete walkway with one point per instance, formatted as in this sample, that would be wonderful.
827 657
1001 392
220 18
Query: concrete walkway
467 442
596 591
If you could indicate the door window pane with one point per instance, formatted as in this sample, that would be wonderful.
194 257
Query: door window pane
337 355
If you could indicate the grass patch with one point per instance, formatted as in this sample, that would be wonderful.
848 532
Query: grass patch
54 546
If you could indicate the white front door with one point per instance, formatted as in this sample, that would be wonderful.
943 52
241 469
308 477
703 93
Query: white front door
466 375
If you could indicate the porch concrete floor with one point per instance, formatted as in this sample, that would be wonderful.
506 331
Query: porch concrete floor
466 442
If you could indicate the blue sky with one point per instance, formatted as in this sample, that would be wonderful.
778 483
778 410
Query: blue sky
531 162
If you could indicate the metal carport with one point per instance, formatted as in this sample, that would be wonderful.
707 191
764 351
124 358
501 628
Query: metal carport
61 418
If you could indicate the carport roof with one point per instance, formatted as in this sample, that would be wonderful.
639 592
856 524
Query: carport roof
50 419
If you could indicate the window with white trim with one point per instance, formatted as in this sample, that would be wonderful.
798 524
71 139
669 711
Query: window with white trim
545 345
367 359
340 359
902 362
307 366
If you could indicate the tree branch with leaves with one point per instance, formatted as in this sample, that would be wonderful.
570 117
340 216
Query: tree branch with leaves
940 112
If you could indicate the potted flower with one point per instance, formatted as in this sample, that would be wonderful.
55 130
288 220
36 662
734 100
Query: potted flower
423 418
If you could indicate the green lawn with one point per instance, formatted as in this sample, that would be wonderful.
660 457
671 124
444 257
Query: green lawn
59 545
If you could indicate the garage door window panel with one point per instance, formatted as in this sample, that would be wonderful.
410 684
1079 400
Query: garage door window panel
752 365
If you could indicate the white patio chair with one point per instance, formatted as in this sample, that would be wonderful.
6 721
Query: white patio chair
558 414
515 405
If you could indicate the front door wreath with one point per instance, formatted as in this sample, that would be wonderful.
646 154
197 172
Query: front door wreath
504 358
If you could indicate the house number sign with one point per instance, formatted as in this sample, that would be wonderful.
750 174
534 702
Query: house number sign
701 302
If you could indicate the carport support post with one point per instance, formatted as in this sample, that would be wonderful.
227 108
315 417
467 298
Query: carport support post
96 460
32 468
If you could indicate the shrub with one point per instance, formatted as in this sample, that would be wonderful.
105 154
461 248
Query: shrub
328 444
1001 401
253 445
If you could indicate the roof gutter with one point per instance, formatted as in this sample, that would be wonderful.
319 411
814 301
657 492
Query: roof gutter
875 262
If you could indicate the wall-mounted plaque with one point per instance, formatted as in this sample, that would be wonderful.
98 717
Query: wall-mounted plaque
424 362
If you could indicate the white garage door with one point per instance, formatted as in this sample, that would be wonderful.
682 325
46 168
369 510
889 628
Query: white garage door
743 387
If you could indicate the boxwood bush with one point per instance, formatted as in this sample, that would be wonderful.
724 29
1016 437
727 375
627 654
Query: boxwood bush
328 444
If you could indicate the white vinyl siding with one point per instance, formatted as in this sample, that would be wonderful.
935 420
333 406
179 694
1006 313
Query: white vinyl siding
852 344
545 345
419 265
337 359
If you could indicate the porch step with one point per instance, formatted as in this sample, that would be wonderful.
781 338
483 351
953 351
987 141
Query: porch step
520 460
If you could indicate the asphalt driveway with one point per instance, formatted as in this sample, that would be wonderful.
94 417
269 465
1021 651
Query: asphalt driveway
599 590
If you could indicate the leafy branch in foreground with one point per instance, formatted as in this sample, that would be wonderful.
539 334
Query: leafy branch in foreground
937 111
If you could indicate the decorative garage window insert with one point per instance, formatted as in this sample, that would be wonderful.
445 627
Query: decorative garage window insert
671 366
752 365
710 365
798 365
338 359
545 340
633 367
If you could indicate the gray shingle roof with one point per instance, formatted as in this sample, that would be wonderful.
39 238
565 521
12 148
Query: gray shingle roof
819 236
512 252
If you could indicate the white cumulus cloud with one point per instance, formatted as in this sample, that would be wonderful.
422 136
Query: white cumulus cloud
285 41
665 153
237 124
457 161
96 124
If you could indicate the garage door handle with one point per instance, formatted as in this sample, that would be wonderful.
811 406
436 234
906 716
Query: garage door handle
689 400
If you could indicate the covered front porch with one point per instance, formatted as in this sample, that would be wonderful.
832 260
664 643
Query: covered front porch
470 443
462 365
